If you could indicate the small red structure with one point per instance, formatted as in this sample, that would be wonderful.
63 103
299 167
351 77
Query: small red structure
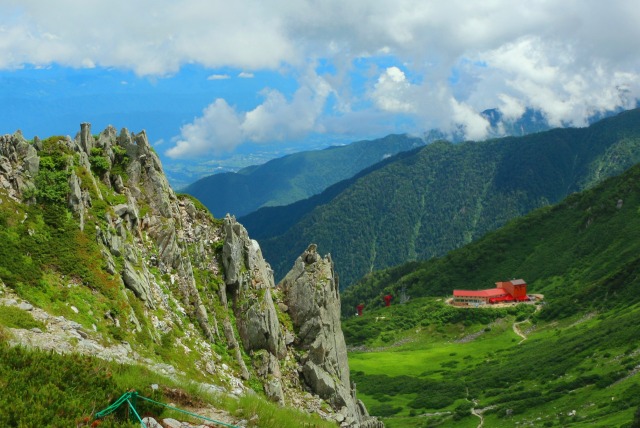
360 308
506 291
516 288
387 300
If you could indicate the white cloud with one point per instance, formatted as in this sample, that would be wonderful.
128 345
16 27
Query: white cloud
218 77
393 93
217 130
567 61
265 34
245 75
149 37
222 128
474 125
510 107
555 79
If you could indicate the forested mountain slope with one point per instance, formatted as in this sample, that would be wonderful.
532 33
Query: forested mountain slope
294 177
571 360
583 254
447 195
267 222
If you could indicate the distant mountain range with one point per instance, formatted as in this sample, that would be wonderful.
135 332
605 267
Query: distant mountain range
432 200
294 177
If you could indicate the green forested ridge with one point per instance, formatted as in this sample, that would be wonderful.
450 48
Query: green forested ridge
273 221
581 253
294 177
447 195
579 363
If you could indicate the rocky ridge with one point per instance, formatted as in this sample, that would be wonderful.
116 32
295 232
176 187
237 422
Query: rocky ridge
180 270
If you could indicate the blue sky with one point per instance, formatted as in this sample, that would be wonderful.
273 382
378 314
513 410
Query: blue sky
211 80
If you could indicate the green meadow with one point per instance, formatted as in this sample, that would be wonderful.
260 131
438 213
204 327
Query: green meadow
578 371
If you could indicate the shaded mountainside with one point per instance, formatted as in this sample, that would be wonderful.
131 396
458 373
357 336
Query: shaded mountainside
268 222
294 177
100 257
571 361
447 195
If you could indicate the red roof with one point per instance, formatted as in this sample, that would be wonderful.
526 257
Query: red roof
493 292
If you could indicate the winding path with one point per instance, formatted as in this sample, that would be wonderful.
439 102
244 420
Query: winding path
516 328
517 331
478 413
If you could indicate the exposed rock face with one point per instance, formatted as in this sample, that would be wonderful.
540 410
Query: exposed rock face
311 294
249 280
19 164
179 269
75 199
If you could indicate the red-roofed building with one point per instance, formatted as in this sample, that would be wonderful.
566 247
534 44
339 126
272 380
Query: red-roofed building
517 288
507 291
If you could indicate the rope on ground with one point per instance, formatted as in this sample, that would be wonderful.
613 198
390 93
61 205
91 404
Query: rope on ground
188 413
125 398
130 396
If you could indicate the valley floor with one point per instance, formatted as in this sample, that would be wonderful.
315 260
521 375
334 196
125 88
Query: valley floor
508 372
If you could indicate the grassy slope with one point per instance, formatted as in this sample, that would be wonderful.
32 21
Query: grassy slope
583 349
445 195
67 390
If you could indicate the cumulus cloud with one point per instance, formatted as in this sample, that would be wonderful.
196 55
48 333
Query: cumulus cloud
149 37
218 77
556 80
221 127
279 119
475 126
393 93
510 107
431 106
462 57
260 34
218 129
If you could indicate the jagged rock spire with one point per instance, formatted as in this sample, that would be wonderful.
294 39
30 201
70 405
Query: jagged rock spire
313 301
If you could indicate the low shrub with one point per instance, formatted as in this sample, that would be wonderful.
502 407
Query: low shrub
13 317
384 410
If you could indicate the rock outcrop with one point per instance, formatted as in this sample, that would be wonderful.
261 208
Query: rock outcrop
249 280
179 270
313 302
19 164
